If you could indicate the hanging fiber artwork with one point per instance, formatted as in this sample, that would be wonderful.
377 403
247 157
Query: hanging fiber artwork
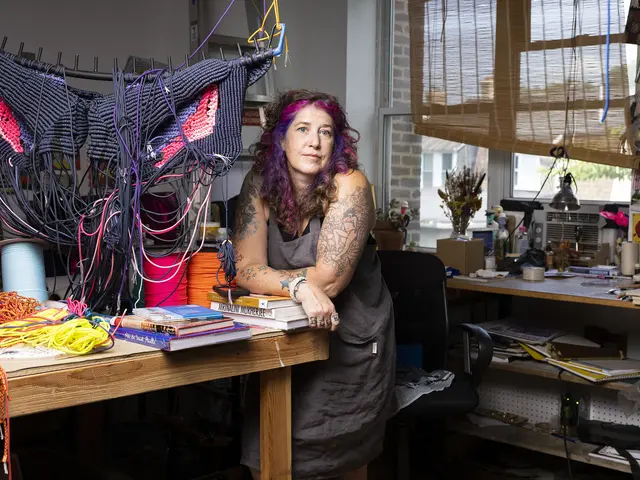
165 133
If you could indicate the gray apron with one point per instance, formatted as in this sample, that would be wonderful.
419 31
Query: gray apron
339 406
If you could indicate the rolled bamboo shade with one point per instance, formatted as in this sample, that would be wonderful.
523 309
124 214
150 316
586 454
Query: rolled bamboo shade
523 75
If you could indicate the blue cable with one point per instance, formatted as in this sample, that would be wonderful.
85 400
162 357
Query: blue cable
606 77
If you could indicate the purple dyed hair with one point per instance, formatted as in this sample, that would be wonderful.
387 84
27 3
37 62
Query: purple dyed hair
271 162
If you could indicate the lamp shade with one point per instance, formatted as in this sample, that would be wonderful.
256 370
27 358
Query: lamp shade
565 199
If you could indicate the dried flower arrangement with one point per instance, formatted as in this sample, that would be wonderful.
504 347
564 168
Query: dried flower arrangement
461 197
397 215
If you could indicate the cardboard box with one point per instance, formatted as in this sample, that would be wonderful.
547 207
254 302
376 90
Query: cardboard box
468 257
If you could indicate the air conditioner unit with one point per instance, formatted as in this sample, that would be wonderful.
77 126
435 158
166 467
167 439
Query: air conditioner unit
556 226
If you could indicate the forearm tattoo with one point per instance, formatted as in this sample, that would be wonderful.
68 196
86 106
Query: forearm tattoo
345 230
284 276
246 223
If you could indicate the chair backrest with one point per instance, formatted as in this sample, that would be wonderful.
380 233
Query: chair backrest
417 284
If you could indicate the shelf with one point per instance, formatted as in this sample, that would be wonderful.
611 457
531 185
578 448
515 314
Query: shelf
537 442
544 370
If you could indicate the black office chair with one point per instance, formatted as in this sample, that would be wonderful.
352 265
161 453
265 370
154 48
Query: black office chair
417 282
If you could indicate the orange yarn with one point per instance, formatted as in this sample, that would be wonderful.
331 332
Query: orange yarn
15 307
4 422
204 273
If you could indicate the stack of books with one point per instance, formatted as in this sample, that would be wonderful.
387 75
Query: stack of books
178 328
571 353
269 311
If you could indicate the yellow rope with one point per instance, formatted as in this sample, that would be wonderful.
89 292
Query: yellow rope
78 336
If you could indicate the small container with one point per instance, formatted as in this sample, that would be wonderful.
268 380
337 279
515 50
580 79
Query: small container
533 274
490 262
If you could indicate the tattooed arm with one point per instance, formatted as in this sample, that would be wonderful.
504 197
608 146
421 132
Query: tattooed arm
344 233
345 230
250 243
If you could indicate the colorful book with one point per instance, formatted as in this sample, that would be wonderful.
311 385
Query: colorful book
285 313
171 343
175 327
177 312
254 300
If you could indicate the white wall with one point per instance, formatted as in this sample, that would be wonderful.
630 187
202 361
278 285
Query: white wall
361 82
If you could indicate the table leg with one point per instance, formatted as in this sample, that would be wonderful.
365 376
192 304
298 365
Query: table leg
275 424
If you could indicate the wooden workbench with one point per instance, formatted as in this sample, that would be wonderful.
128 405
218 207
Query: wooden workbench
565 290
38 385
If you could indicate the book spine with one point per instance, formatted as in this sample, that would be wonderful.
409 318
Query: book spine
144 338
148 326
243 310
245 302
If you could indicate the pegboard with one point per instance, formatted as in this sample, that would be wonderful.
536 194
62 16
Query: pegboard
538 399
521 396
605 407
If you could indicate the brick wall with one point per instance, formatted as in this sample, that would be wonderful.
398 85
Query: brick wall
406 147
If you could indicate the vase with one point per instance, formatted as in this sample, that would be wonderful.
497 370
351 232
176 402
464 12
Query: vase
460 225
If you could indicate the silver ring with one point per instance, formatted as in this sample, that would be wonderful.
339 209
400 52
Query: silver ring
312 321
335 319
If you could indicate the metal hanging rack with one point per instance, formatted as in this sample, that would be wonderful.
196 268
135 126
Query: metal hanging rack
260 55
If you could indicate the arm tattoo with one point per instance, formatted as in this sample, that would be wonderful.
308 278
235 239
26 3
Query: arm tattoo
246 211
286 276
345 230
290 276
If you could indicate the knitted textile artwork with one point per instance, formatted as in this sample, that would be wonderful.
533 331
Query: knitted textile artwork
39 115
198 109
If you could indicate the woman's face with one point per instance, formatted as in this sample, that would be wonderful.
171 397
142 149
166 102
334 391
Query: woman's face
308 142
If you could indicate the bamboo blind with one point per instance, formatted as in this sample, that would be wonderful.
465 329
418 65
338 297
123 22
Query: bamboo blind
523 75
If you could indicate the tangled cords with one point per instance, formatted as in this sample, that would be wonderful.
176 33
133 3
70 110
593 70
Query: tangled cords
78 336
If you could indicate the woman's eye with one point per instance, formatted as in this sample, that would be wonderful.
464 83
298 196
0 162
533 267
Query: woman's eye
326 133
302 129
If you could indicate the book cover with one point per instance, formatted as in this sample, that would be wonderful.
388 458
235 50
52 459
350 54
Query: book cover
162 341
254 300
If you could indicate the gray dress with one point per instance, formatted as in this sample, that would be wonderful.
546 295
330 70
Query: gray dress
339 406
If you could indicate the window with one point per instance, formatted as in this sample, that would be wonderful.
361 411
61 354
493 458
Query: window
447 164
427 170
418 166
415 165
595 183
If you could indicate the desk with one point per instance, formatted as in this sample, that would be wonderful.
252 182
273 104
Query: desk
565 289
130 369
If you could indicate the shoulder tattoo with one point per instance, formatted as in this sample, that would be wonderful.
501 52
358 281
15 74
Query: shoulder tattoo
246 223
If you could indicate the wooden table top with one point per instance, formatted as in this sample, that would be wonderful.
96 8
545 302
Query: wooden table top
129 369
561 289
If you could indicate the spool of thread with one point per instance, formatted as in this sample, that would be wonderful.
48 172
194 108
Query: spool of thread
23 269
629 258
533 274
204 273
170 281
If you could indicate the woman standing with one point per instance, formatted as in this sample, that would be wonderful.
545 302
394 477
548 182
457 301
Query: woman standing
303 225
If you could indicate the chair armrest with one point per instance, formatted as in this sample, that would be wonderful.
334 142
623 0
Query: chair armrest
485 350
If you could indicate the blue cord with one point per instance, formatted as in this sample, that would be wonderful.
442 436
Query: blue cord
227 254
606 77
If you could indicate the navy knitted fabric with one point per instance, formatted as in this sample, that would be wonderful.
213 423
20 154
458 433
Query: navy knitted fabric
49 113
157 123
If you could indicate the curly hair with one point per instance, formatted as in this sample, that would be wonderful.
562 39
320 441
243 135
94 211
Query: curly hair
271 162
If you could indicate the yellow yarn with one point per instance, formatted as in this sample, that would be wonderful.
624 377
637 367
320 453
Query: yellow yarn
75 337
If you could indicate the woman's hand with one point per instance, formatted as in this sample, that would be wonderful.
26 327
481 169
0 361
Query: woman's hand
318 307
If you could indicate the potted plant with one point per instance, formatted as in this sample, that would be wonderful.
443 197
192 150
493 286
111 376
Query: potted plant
391 224
461 198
